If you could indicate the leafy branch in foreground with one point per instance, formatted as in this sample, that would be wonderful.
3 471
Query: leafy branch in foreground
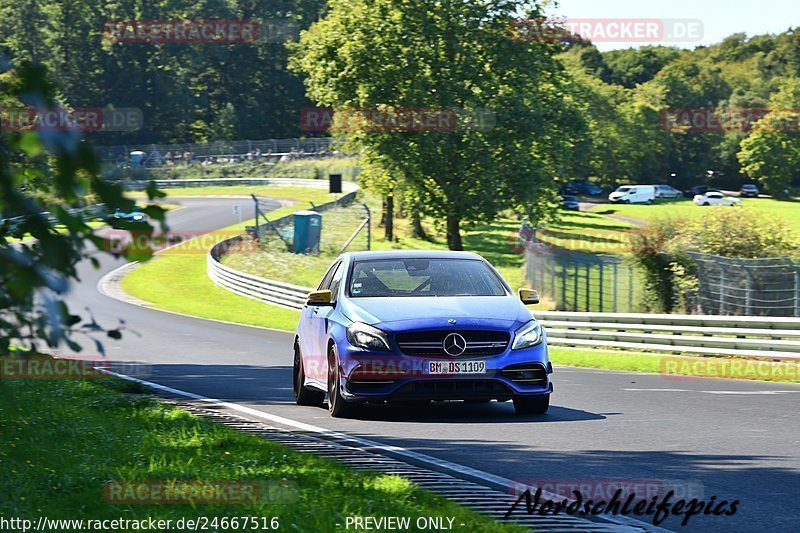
44 175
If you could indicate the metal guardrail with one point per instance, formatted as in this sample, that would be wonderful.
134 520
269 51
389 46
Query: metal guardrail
754 337
743 336
265 290
347 186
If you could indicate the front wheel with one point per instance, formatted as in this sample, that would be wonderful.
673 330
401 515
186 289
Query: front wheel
537 405
337 406
302 394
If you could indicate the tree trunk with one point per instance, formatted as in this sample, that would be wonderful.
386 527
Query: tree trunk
454 232
416 226
389 218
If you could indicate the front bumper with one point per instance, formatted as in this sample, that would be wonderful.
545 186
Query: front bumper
380 376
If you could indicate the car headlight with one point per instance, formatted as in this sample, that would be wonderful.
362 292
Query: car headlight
528 335
138 217
365 336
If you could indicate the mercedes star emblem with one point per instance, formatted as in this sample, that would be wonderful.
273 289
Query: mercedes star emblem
454 344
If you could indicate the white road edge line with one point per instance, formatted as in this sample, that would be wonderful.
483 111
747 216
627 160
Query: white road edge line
497 482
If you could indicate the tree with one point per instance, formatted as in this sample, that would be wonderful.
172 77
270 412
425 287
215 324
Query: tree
452 55
771 153
47 172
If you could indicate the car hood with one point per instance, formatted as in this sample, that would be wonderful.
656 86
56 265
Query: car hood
397 314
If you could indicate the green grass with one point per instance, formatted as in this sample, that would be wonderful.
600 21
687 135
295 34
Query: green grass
788 211
676 366
588 232
303 169
179 282
318 196
94 224
64 439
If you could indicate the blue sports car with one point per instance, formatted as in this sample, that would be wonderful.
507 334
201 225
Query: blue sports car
416 326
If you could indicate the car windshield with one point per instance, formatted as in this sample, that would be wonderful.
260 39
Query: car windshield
423 277
623 189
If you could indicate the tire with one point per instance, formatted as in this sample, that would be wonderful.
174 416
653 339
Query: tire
337 406
706 204
302 394
537 405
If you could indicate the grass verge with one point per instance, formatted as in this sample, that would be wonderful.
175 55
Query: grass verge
678 366
59 470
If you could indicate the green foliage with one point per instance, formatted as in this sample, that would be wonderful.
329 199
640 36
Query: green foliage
388 54
660 248
39 173
183 89
771 153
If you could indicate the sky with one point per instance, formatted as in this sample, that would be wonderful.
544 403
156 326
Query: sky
717 18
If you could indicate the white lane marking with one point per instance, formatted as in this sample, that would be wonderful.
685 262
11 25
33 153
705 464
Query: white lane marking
657 390
732 392
513 487
748 393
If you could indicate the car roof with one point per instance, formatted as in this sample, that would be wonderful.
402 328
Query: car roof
410 254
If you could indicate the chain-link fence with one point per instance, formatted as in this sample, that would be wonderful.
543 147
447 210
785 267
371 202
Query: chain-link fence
346 226
577 281
733 286
164 155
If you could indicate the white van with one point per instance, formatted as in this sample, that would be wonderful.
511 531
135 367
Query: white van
634 194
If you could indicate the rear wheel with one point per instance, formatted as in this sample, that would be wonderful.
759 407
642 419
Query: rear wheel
337 406
302 394
537 405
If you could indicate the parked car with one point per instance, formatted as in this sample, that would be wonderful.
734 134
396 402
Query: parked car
570 202
569 190
667 191
633 194
586 187
694 191
416 326
749 190
716 198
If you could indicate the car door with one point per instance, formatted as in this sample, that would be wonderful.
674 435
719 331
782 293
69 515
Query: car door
308 329
319 322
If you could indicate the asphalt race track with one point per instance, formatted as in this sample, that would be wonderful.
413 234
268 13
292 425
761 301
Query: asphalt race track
736 440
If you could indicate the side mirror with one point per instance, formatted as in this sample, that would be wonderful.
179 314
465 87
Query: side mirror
529 296
320 298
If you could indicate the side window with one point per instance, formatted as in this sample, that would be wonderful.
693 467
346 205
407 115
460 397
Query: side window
326 280
337 280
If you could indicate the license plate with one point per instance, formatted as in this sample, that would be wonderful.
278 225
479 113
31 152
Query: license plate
456 367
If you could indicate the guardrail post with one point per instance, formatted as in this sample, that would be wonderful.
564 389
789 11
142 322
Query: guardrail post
796 290
588 287
615 286
600 288
575 275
